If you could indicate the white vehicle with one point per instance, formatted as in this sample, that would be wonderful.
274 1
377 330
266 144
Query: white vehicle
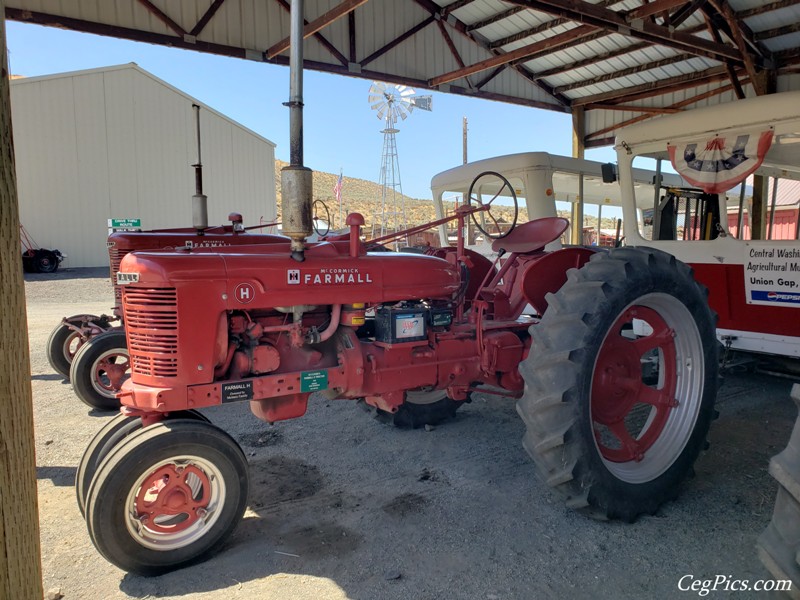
544 184
754 285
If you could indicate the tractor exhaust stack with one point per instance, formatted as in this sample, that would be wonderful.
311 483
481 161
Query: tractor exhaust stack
296 182
199 200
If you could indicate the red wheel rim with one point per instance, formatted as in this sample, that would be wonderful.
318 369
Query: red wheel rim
114 367
173 498
619 391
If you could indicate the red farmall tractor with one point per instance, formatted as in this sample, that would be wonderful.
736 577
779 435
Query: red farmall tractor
615 374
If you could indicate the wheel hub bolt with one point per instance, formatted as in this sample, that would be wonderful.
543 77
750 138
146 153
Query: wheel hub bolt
201 512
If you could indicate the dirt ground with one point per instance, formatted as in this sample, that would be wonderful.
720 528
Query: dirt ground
343 506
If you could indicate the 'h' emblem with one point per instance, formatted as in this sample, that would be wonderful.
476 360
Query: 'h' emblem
245 293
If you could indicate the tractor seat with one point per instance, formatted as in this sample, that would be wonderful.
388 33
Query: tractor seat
532 236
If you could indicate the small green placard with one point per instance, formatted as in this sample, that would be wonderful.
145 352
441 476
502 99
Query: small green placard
313 381
124 223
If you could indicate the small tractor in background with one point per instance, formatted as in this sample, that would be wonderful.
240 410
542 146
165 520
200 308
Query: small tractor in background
36 259
160 486
90 350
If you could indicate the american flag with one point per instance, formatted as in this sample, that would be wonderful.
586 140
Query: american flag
337 189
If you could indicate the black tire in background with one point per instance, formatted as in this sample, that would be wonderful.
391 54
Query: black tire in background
167 496
91 365
615 420
45 261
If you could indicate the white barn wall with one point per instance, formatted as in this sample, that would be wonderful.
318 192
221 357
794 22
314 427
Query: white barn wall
119 143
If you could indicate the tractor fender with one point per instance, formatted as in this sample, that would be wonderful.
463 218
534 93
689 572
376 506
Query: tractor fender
546 274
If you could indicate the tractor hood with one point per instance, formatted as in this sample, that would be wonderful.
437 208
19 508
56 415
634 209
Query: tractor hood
251 278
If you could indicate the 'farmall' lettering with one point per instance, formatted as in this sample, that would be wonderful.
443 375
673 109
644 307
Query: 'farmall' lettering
206 244
332 278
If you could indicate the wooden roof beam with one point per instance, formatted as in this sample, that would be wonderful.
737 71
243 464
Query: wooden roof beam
162 16
398 40
453 6
207 16
495 18
624 72
337 12
776 32
686 11
602 57
435 11
677 107
737 87
527 33
319 37
652 110
548 45
655 88
643 29
724 9
760 10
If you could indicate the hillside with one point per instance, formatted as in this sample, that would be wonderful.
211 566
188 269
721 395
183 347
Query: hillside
362 196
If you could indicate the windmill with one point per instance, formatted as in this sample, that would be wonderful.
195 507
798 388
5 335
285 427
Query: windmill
392 103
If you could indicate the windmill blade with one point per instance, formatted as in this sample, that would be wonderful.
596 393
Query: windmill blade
423 102
382 112
379 86
406 92
374 98
378 105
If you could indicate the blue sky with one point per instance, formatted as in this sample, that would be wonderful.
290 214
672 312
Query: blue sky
341 131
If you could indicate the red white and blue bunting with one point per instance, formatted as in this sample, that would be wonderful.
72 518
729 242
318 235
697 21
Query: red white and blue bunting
718 164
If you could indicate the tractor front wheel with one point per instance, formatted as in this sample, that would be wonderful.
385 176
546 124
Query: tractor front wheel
166 496
99 369
112 433
65 341
621 382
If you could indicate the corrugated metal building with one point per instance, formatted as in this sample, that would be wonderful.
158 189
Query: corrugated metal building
118 142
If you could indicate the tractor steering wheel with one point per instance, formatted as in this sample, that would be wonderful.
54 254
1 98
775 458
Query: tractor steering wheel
321 219
477 199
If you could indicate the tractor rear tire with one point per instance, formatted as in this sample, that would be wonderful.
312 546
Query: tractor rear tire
167 496
60 350
779 544
99 368
112 433
620 383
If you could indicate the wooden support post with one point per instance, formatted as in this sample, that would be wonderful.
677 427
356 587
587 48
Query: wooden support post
20 562
578 150
758 216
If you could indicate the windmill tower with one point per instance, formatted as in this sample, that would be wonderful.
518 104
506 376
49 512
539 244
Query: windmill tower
392 102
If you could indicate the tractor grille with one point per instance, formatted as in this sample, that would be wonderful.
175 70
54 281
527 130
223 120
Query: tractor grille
115 256
151 323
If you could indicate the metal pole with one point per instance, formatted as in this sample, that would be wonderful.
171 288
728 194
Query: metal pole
464 140
740 222
579 213
199 200
772 206
296 180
